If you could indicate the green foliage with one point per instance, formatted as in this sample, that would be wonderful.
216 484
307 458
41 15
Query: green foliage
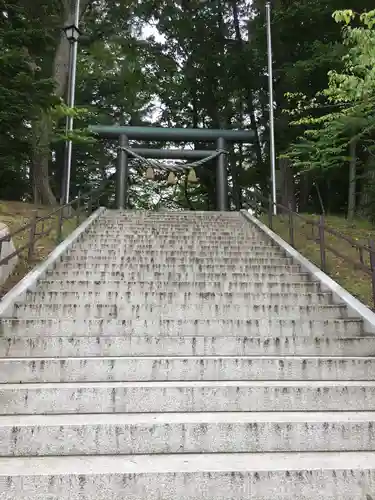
348 101
189 64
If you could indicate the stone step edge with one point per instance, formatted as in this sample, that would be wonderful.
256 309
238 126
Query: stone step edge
187 384
263 357
199 320
199 305
238 337
193 293
70 419
185 463
210 283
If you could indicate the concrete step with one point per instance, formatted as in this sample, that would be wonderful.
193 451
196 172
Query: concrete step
134 263
244 476
119 214
178 218
175 219
171 230
180 243
157 250
165 240
195 396
167 368
217 222
126 237
173 226
87 285
160 433
128 276
193 216
190 312
213 222
175 222
175 270
129 254
275 327
179 264
148 345
191 299
173 246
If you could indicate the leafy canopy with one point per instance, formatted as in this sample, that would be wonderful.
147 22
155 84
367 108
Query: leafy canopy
348 101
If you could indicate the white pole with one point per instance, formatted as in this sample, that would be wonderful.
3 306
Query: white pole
71 101
270 92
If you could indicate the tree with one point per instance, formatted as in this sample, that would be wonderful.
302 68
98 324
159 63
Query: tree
24 92
335 137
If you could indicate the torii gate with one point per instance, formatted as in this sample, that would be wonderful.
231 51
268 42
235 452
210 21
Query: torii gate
220 136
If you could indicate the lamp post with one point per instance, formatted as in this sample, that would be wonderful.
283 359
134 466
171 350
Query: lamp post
270 92
72 33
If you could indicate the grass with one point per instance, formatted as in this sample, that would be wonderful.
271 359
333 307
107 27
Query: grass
356 281
16 214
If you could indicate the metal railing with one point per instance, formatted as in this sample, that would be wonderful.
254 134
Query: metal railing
39 227
319 233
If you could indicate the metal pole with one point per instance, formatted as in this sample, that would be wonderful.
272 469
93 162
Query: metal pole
270 92
70 103
221 178
122 173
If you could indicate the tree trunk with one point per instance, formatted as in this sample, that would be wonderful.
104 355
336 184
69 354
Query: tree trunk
35 192
352 180
286 183
42 128
304 191
248 91
368 187
40 162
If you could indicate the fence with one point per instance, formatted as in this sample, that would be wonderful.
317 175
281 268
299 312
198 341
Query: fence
362 256
40 227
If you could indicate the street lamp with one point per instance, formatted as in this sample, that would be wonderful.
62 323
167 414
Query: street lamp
270 92
72 34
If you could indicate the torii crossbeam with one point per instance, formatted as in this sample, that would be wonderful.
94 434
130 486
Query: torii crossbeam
220 136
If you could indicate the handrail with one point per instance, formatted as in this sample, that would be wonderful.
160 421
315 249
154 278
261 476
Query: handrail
85 202
266 205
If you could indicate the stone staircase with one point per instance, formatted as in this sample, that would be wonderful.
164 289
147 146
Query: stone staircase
182 356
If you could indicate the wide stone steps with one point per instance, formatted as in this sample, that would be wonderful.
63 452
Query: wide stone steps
124 274
181 232
160 433
186 396
181 263
150 271
80 286
174 256
194 217
148 345
180 241
168 246
176 250
173 229
124 310
183 356
276 327
122 298
203 368
255 476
